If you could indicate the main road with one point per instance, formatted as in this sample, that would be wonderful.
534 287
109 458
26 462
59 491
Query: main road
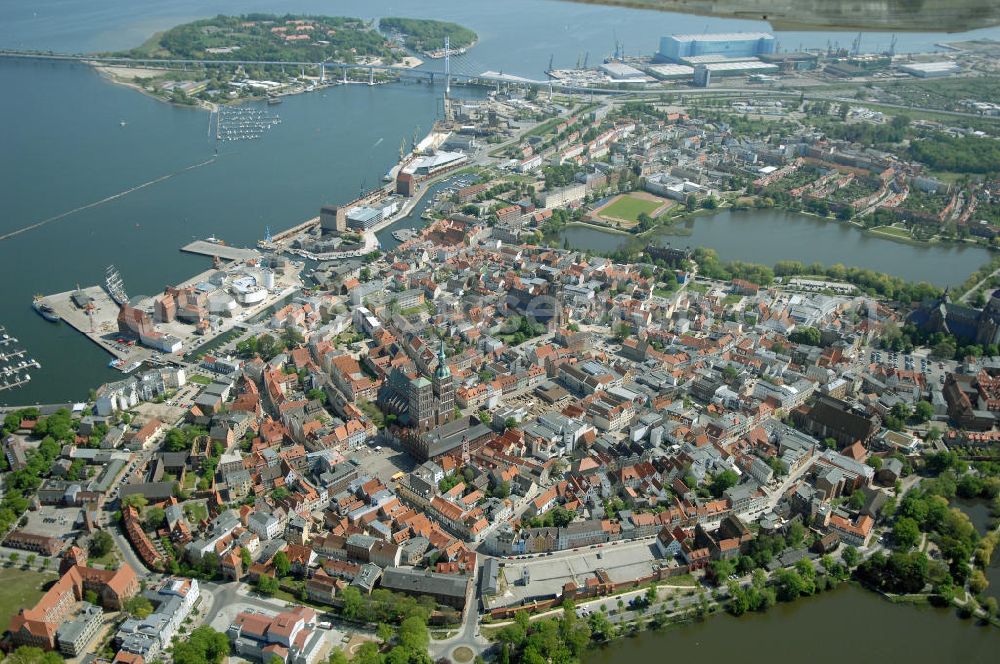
468 634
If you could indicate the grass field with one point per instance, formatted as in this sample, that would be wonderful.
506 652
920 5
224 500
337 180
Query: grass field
628 208
19 588
196 512
201 380
894 231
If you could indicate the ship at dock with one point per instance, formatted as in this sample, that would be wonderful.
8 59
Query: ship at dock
45 310
124 367
114 285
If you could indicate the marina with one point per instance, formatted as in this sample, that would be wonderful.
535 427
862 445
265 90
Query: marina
243 123
15 364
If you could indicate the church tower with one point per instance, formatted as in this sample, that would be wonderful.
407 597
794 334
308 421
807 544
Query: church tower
444 389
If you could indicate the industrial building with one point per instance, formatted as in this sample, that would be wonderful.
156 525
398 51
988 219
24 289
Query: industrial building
728 44
619 72
931 69
436 163
739 68
792 61
671 71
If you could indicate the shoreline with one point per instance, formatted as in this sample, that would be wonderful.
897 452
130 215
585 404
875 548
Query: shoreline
125 75
702 212
107 73
647 623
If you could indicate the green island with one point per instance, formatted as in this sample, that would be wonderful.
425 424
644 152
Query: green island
288 38
265 43
427 36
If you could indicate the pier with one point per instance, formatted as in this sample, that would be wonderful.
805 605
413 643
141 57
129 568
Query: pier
14 362
219 250
100 325
93 313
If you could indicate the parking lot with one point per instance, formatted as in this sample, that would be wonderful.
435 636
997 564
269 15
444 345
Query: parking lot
934 370
623 561
53 521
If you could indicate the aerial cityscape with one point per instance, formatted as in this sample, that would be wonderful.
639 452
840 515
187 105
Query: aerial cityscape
530 332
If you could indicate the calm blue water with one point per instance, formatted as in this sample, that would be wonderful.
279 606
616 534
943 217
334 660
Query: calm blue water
518 36
769 236
61 144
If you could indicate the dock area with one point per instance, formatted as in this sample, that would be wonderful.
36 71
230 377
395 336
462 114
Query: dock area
101 325
92 312
222 251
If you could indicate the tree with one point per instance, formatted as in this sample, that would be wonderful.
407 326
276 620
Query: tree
203 646
875 462
351 598
367 653
154 517
809 336
722 569
905 533
796 534
850 556
138 607
857 500
33 655
413 634
101 544
337 656
923 411
281 564
978 582
136 500
723 481
267 585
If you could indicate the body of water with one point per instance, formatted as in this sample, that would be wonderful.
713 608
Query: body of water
517 36
64 147
847 624
768 236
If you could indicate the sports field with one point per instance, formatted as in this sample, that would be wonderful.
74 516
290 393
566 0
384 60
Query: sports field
628 208
623 210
